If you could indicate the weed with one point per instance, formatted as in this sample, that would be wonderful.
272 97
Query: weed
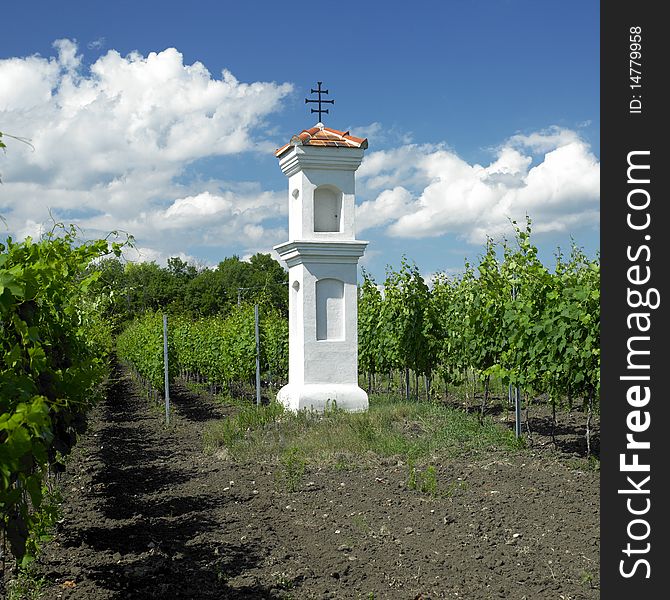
360 523
283 581
456 486
429 483
580 464
230 432
422 481
42 522
221 433
257 417
26 586
412 479
293 469
342 462
588 577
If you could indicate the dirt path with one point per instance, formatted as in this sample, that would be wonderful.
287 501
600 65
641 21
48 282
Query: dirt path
149 515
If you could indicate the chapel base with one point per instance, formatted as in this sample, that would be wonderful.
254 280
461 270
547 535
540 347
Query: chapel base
323 396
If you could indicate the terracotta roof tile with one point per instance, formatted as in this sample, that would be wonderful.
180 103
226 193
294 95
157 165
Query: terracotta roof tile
323 136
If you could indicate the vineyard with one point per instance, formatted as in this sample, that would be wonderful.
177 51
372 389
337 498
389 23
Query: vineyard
218 350
510 319
54 353
507 321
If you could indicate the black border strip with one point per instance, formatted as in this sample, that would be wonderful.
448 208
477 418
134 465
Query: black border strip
624 130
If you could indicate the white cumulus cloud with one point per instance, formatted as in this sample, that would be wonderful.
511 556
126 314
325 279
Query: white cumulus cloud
551 175
112 139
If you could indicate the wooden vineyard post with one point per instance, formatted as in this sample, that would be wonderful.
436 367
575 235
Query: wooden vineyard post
165 365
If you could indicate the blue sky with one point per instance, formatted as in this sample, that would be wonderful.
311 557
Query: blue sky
476 112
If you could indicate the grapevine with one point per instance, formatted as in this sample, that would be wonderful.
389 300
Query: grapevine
54 351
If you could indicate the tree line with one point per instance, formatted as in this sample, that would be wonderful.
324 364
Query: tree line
184 289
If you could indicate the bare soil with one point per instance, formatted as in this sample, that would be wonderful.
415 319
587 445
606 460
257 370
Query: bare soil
148 515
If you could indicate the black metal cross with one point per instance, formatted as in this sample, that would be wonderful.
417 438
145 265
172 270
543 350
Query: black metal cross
319 91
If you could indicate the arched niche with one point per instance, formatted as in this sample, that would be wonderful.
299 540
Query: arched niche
327 209
329 309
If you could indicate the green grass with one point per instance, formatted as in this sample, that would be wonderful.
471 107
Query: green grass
391 428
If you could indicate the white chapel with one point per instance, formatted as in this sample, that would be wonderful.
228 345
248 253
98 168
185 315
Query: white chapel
322 255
